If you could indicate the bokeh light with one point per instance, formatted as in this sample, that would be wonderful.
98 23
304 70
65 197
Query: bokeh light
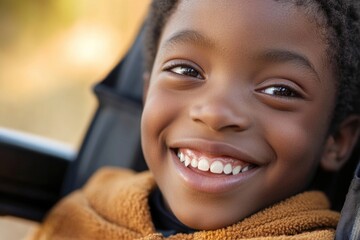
52 53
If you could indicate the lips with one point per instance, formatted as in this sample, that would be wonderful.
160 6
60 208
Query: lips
212 166
197 164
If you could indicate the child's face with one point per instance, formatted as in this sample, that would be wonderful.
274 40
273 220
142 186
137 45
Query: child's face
241 84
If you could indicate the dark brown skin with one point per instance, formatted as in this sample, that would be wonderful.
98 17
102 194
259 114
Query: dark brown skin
214 80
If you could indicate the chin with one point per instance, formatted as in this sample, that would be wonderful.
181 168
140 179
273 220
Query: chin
207 214
206 221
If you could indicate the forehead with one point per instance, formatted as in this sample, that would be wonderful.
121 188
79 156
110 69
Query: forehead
238 18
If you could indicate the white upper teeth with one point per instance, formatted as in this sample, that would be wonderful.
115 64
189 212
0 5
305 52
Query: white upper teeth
236 170
203 165
216 167
181 156
228 168
194 163
245 169
187 161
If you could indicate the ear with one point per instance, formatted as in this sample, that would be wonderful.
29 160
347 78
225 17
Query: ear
146 79
340 144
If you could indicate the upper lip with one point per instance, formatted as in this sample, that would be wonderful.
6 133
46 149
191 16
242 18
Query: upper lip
215 148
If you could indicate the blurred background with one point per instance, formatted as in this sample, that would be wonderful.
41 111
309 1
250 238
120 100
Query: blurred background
51 54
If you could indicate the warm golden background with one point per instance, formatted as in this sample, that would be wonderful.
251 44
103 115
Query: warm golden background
51 54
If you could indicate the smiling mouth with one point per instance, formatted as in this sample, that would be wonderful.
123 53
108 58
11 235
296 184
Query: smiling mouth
216 165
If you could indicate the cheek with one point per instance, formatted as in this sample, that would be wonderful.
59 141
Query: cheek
298 147
159 114
150 125
156 118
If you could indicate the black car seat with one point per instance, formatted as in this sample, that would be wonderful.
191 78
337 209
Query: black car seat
114 134
349 224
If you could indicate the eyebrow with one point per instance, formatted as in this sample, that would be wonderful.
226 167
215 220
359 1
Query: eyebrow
189 36
272 55
282 56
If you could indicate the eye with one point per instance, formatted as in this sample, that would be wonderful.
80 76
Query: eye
185 70
281 91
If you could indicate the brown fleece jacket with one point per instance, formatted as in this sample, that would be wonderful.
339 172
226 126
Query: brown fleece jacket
114 205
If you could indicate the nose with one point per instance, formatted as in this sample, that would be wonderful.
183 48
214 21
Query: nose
221 112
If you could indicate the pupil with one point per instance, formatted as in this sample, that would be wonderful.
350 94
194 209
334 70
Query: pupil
282 91
190 72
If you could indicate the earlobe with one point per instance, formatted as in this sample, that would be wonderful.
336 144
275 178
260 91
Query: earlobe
330 160
146 79
340 144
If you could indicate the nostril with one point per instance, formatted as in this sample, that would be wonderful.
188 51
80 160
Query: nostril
235 128
219 118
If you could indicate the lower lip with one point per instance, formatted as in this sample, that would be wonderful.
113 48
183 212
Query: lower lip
208 182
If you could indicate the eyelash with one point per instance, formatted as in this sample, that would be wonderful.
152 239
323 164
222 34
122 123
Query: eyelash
281 91
183 67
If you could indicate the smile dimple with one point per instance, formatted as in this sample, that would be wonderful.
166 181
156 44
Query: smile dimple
216 165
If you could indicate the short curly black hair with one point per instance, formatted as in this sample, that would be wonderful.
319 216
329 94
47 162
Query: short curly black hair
341 22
